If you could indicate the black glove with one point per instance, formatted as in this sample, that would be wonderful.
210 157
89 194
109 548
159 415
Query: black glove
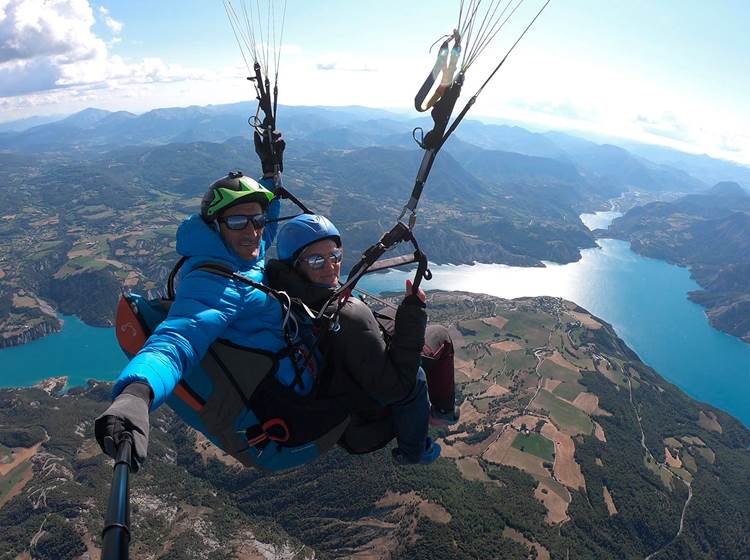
413 299
128 413
263 149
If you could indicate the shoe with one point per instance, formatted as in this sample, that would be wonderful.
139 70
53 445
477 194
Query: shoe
440 418
429 455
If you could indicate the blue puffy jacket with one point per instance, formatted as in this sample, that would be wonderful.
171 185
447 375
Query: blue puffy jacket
208 307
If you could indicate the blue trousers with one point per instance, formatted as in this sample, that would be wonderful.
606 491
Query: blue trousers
410 418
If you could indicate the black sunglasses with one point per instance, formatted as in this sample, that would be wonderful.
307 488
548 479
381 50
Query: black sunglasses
240 221
316 262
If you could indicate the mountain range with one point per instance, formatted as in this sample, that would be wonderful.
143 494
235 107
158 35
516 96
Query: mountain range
640 166
89 202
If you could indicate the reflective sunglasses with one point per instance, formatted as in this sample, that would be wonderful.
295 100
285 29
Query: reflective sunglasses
316 262
240 221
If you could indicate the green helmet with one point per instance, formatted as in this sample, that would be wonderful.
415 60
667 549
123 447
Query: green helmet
230 190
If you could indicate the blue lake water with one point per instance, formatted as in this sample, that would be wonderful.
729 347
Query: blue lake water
77 351
644 299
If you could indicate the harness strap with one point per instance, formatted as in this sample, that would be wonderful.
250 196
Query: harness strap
397 234
281 296
299 358
393 262
283 193
186 393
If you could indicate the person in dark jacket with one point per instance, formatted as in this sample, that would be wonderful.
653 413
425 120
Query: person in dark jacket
361 363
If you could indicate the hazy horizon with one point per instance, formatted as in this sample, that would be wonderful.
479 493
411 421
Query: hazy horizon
668 73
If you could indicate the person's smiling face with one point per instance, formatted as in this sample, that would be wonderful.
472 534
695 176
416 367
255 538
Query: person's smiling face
245 242
326 275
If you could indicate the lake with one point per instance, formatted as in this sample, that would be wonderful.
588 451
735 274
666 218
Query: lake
644 300
77 351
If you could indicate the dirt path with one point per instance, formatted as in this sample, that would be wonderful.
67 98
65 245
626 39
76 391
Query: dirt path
682 523
661 466
538 354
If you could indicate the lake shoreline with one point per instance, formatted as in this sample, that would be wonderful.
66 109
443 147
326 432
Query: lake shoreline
643 299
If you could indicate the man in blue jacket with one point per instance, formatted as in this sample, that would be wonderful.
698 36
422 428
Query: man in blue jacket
235 227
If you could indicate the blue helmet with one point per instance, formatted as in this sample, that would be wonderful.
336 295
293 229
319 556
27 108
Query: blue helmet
301 231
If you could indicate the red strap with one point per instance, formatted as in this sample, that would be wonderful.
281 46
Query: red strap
273 422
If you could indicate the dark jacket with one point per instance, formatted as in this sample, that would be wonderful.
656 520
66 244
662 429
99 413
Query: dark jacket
361 364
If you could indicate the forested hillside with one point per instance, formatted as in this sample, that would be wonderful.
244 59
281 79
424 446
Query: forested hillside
568 447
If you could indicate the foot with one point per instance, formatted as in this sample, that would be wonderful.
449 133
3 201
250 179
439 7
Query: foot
429 455
440 418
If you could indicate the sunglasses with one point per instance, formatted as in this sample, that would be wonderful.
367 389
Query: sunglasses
316 262
239 222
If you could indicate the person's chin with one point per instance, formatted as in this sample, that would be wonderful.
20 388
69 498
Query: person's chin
329 281
250 253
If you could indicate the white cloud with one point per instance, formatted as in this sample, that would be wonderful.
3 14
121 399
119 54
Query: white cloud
114 25
336 67
346 62
50 46
56 28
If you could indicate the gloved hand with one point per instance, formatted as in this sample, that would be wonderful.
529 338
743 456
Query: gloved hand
263 149
128 413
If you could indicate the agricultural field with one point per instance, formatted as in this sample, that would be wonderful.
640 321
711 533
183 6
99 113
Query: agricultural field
536 445
524 371
604 470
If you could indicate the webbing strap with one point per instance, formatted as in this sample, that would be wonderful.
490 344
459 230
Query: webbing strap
393 262
264 98
283 193
434 140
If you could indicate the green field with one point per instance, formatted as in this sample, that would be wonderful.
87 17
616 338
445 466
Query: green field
532 327
520 360
555 371
535 444
5 453
469 354
568 391
493 360
8 481
689 462
619 379
483 405
475 387
479 330
564 414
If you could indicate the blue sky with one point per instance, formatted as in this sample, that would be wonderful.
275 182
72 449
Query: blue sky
669 72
